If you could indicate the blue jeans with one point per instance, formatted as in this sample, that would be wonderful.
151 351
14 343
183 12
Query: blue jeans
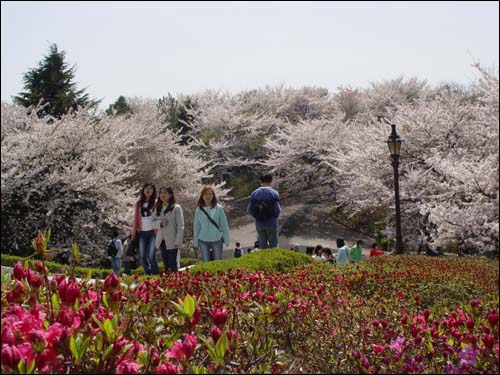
169 257
216 249
116 263
127 268
147 252
268 237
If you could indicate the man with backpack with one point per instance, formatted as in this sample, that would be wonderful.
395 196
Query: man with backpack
264 206
115 251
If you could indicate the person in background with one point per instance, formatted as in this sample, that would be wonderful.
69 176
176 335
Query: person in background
264 206
170 236
144 229
318 251
356 252
343 252
116 260
126 257
211 230
256 246
237 250
374 251
327 255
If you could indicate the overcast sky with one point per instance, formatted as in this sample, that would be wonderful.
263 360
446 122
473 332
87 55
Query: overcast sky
150 49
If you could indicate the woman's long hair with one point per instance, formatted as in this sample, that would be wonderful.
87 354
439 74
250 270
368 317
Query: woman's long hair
171 201
201 202
152 198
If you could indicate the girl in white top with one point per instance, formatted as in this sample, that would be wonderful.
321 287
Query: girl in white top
143 227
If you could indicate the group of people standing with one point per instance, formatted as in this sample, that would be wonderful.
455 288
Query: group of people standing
345 254
159 224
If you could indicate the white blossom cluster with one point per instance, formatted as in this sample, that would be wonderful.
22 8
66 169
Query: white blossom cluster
448 165
81 175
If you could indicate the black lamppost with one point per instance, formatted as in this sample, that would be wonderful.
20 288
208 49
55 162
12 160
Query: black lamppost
394 143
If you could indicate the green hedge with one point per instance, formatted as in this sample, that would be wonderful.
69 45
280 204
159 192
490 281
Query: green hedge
55 268
272 260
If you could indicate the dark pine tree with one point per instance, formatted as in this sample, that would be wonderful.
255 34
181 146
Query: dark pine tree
51 85
120 106
177 115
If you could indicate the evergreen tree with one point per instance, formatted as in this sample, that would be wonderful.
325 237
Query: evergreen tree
120 106
177 115
51 84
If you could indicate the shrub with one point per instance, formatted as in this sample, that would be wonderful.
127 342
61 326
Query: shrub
269 261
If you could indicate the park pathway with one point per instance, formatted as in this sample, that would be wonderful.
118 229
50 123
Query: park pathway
300 223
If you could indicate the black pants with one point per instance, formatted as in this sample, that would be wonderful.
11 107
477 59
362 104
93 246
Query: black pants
169 257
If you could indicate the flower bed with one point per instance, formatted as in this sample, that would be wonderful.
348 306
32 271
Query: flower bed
389 314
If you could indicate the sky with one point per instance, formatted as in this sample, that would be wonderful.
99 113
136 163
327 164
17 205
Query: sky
151 49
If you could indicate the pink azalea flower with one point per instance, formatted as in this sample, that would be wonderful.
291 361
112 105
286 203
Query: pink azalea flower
189 345
493 317
111 282
19 271
219 316
215 332
397 344
168 368
475 303
176 352
182 351
8 335
196 316
378 348
10 356
128 366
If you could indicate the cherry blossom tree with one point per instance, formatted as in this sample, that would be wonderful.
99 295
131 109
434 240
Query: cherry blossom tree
81 174
449 162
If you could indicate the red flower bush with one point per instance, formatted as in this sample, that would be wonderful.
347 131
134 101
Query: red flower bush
312 320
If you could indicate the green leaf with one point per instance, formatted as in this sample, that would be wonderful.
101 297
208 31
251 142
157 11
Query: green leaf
21 366
108 350
220 348
108 330
55 300
31 367
429 345
115 322
49 232
197 370
105 299
178 307
76 251
99 342
210 348
189 306
78 346
74 350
